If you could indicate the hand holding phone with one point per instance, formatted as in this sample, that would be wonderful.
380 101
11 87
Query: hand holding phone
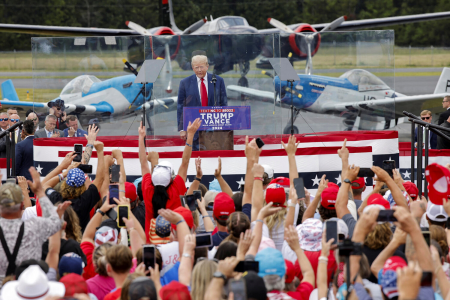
299 188
203 240
366 172
115 173
386 215
113 193
122 212
332 231
148 256
78 149
388 166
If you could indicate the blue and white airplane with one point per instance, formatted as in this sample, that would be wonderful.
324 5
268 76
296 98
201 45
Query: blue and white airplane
89 97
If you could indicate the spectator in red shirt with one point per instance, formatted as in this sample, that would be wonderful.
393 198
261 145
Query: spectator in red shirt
159 189
119 259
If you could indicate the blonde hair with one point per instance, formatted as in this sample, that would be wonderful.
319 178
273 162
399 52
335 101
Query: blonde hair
69 192
99 259
275 219
425 112
201 278
73 228
199 59
380 237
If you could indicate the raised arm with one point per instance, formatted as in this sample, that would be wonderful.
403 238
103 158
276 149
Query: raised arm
309 212
178 220
252 154
351 174
291 148
153 158
291 237
142 156
100 175
90 137
191 130
322 272
136 240
223 184
187 260
22 181
290 216
258 192
397 194
376 190
196 183
62 166
118 156
398 240
215 288
207 221
266 211
91 228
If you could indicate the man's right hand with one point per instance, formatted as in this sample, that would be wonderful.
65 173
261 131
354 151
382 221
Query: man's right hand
183 135
71 132
55 135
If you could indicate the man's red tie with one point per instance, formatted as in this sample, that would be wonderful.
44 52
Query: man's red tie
57 123
204 94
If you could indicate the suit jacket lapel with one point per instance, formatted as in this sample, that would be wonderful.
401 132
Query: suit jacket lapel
210 90
195 87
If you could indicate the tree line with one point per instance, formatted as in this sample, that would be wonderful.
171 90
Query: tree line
114 13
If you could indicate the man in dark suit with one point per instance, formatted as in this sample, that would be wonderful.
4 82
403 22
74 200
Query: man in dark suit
198 90
49 131
73 130
443 121
24 151
425 115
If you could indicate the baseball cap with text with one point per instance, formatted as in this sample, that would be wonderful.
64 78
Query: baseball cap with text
329 196
438 178
223 206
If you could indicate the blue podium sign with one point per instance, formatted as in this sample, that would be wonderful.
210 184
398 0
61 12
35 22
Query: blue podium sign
218 118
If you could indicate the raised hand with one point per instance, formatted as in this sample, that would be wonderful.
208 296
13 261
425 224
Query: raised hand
35 185
405 220
68 159
189 243
251 149
92 134
408 280
170 216
62 208
198 167
343 152
258 170
268 210
22 181
291 237
323 184
71 131
141 131
193 127
226 266
352 172
382 175
98 146
218 171
291 146
153 157
117 154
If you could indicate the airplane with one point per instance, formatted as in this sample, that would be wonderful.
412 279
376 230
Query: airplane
295 39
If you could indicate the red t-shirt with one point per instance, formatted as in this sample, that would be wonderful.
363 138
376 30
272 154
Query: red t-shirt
89 269
175 189
302 292
313 257
113 295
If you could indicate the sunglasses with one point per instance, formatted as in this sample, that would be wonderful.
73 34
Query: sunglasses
57 108
425 118
205 258
33 119
14 120
444 101
5 119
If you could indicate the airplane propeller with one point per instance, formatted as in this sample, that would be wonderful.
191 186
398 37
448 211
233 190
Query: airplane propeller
309 37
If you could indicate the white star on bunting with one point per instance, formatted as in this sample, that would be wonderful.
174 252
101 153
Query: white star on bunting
39 169
316 181
241 182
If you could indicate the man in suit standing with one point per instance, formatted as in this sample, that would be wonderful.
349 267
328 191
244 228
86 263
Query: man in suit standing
444 121
13 119
24 151
73 130
425 115
198 90
49 131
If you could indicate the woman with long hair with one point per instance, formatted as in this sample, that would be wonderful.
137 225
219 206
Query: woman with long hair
201 277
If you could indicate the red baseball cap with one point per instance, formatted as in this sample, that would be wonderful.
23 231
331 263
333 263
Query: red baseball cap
130 191
329 196
394 262
187 216
412 189
75 284
333 185
358 183
175 290
283 181
290 271
378 199
438 178
276 195
223 206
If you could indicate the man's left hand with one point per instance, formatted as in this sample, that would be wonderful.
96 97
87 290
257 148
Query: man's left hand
71 131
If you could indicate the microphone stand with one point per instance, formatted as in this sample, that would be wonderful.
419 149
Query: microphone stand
11 149
214 80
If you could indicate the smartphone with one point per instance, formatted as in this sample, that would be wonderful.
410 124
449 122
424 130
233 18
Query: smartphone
115 173
259 142
366 172
78 148
122 212
148 256
191 201
244 266
87 169
386 216
113 193
183 200
426 236
238 289
388 166
427 279
112 214
203 240
299 187
198 195
332 231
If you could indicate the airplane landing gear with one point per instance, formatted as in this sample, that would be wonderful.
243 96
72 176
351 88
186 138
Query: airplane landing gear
287 129
244 67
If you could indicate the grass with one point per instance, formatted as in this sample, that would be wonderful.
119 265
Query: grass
42 95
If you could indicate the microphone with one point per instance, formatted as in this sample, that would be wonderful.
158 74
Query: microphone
10 129
214 79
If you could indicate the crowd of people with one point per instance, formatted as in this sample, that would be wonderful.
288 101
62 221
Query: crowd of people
69 239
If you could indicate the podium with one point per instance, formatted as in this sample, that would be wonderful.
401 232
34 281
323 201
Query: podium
218 124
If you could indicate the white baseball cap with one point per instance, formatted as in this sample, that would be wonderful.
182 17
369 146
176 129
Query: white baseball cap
162 174
436 212
268 170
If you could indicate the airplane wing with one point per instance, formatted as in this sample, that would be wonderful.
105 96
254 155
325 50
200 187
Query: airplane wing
263 96
412 104
64 30
372 23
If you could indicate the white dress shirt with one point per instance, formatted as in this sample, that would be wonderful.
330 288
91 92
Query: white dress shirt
199 82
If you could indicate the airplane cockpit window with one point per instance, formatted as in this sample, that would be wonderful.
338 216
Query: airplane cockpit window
365 80
224 24
204 28
227 22
80 84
